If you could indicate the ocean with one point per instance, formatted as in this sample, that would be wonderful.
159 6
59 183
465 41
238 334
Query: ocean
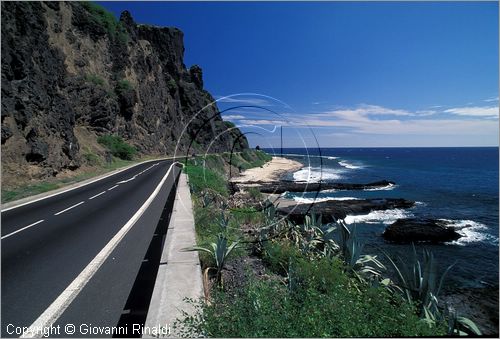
457 184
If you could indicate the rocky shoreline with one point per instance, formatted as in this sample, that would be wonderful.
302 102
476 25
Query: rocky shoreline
334 210
479 304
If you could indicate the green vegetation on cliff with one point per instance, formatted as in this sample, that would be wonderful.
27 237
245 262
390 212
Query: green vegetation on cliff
117 146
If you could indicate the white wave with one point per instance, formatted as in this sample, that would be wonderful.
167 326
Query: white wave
310 200
348 165
470 231
314 174
386 217
388 187
308 156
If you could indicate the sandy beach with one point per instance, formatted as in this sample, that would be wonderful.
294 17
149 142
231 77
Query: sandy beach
271 171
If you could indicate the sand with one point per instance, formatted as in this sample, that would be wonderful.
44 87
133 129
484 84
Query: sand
270 171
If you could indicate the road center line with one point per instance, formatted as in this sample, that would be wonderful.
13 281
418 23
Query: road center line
67 209
22 229
115 186
95 196
56 309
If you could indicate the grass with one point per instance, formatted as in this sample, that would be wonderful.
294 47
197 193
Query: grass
322 303
117 146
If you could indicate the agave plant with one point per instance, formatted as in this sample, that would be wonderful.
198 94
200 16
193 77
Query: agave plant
220 251
457 325
223 221
419 280
363 266
270 211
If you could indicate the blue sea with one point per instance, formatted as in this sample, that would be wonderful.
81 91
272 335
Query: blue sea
457 184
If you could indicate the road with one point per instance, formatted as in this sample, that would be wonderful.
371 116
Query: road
75 256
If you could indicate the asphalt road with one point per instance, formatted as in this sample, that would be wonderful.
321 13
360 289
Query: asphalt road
47 244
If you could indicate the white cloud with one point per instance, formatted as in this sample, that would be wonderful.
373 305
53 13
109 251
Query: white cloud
232 117
492 99
265 122
466 122
477 111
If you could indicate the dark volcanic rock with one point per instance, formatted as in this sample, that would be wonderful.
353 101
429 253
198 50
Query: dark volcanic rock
65 72
415 230
293 186
478 304
335 209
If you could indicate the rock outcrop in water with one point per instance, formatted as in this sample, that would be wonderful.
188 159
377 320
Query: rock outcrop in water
283 186
71 72
335 209
420 230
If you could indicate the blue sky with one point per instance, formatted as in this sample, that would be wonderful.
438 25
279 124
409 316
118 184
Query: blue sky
348 74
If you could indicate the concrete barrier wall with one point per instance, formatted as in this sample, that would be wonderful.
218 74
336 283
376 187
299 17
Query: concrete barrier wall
179 274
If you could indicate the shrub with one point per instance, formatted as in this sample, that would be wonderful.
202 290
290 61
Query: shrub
254 192
92 159
102 17
117 146
201 178
229 124
123 86
268 309
95 79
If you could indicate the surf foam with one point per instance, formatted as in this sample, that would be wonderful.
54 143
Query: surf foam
348 165
311 200
471 232
375 217
314 174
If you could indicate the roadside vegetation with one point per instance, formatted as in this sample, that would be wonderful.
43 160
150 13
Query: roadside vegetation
121 155
117 146
267 277
27 190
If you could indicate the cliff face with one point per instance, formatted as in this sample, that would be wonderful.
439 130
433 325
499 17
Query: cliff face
70 73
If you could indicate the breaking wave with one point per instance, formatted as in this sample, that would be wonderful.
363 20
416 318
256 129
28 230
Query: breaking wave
348 165
314 174
375 217
310 200
471 232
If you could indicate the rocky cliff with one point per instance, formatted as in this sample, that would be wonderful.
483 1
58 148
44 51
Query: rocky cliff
72 72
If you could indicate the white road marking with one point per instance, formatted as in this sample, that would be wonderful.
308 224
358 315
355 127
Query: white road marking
22 229
135 176
125 181
67 209
95 196
115 186
54 311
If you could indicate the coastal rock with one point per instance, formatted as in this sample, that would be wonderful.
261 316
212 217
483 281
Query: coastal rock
335 209
478 304
417 230
294 186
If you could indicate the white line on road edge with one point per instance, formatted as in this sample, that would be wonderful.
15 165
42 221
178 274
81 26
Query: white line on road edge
54 311
95 196
22 229
78 186
67 209
115 186
125 181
